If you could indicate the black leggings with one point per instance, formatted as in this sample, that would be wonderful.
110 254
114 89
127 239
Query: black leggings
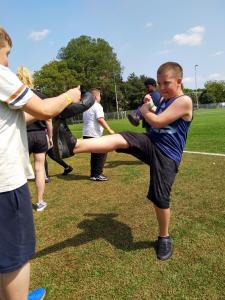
51 154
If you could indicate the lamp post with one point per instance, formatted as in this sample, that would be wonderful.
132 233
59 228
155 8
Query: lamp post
115 89
196 92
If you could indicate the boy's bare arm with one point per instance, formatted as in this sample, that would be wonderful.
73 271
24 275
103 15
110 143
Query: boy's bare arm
180 108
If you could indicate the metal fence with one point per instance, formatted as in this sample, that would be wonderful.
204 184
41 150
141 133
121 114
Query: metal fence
108 116
212 105
123 114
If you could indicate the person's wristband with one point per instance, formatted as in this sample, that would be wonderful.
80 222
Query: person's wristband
68 99
152 105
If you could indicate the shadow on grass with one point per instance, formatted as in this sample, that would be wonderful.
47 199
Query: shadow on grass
102 226
71 177
117 163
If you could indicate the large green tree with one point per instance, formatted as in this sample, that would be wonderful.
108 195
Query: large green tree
97 66
134 89
216 90
55 78
87 61
205 98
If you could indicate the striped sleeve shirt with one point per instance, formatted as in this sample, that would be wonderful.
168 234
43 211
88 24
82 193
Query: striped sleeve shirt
14 156
12 91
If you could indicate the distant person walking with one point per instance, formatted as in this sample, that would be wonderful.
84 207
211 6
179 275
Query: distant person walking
151 89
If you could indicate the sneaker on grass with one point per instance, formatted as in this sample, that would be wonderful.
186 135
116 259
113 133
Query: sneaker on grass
67 170
134 120
164 248
41 206
37 294
100 177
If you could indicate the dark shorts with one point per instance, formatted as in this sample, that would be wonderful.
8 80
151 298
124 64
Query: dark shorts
17 235
162 169
37 141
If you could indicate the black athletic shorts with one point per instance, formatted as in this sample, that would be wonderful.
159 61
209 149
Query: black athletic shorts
17 235
162 169
37 141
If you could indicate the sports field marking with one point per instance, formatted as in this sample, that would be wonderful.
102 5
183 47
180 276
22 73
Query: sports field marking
205 153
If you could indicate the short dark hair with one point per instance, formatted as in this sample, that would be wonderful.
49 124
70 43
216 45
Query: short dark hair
95 91
150 81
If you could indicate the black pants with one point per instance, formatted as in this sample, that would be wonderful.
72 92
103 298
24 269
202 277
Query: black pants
97 161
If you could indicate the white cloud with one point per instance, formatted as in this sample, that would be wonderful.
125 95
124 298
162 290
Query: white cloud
215 76
192 37
218 53
148 24
188 79
39 35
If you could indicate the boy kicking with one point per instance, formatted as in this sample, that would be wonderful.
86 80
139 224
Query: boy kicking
161 148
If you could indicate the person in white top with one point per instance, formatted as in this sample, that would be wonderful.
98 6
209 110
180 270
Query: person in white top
93 126
17 238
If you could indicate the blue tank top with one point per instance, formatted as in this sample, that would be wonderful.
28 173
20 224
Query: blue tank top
171 139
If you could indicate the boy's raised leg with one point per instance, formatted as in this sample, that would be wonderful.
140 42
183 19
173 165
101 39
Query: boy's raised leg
102 144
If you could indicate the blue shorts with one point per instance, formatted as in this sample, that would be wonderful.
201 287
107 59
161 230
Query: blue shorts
17 234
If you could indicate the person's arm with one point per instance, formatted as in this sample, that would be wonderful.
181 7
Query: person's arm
44 110
180 108
104 124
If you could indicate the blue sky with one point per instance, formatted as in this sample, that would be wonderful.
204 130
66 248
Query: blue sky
143 33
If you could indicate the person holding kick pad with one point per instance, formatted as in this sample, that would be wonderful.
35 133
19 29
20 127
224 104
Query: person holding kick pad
17 236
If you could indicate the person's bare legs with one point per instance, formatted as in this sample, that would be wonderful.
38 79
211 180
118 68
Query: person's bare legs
163 217
102 144
15 285
1 291
39 168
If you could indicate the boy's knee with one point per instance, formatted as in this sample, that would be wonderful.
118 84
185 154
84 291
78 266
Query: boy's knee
123 144
159 202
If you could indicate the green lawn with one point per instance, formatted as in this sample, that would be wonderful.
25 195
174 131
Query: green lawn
95 240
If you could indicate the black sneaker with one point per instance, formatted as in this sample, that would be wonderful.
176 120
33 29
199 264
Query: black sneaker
134 120
164 248
67 170
100 177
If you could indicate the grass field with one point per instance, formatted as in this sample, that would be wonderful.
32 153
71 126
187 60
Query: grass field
95 240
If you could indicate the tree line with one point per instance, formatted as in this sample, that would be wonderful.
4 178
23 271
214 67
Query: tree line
92 62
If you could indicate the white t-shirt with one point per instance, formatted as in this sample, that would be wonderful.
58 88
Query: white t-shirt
14 156
91 126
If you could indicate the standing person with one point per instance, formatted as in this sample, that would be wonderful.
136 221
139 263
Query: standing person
161 148
94 125
151 89
37 141
17 236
